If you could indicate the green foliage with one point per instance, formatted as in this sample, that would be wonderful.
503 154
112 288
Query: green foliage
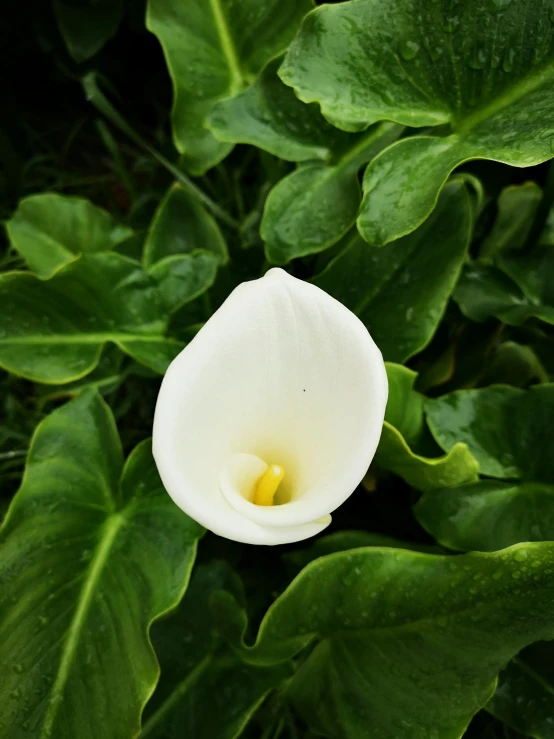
480 70
507 431
425 631
400 293
50 230
153 157
214 50
72 607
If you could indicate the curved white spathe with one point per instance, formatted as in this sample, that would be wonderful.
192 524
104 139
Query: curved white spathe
281 374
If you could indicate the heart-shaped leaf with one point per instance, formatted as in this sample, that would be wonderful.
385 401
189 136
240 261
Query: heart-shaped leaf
481 70
401 292
214 49
402 645
182 225
269 115
54 330
519 288
508 432
92 552
311 208
205 690
49 230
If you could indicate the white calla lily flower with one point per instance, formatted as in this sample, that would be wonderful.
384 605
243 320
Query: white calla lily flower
268 420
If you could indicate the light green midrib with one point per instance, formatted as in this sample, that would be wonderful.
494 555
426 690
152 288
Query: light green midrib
111 528
524 87
175 695
227 46
56 339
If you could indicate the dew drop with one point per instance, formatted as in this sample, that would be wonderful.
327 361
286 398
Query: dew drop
477 59
408 49
509 59
451 23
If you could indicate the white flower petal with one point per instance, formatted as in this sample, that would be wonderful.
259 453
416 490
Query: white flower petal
288 375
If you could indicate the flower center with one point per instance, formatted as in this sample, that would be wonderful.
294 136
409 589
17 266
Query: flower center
267 485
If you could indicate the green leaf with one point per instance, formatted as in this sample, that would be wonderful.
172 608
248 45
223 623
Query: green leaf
311 208
214 49
269 115
524 697
49 230
92 552
488 515
403 645
182 278
505 428
342 541
86 27
53 331
205 690
401 292
106 377
508 432
405 425
481 70
181 225
517 206
520 289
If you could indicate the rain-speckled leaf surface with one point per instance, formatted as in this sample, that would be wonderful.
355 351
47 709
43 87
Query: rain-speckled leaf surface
404 427
405 645
508 431
484 69
311 208
49 230
54 330
401 292
214 49
524 698
182 278
92 552
205 690
269 115
181 225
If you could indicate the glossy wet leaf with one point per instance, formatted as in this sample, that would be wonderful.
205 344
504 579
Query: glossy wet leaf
405 426
54 330
504 428
519 288
49 230
482 70
314 206
181 225
342 541
269 115
87 27
397 634
401 292
205 690
524 696
181 278
214 49
92 552
508 432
